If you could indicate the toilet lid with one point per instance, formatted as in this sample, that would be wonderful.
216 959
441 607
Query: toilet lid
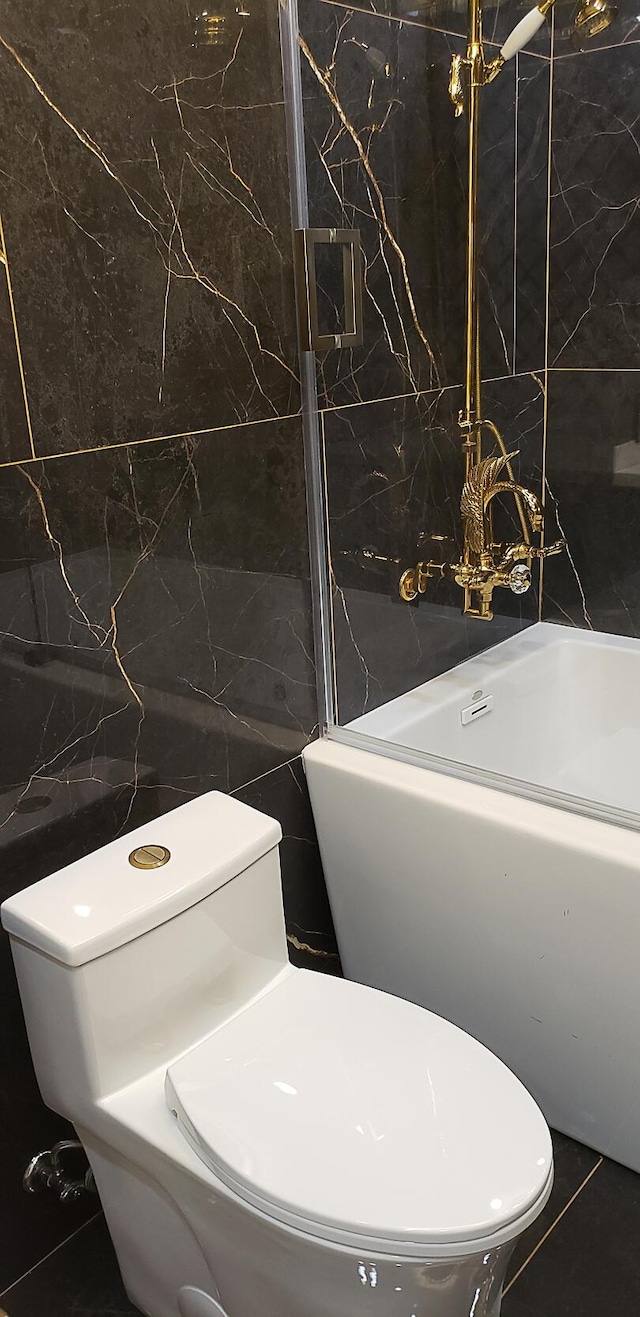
331 1104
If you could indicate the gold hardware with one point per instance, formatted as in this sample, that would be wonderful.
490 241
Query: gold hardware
478 492
456 85
593 17
149 857
494 67
414 582
369 555
484 564
210 29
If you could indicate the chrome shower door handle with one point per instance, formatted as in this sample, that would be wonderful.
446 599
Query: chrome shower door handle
305 242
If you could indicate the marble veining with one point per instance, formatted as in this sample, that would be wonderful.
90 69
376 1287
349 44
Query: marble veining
593 472
144 197
155 607
595 221
531 212
155 634
155 601
155 643
500 16
394 475
385 154
310 934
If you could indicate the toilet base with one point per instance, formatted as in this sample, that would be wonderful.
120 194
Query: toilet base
213 1256
195 1303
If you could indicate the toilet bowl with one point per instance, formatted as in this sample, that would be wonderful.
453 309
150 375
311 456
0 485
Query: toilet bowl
266 1141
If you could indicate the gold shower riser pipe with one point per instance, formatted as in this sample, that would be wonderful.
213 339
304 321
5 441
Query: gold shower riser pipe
473 402
472 421
484 564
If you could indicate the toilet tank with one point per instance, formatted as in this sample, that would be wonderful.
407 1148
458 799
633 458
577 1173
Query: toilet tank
121 968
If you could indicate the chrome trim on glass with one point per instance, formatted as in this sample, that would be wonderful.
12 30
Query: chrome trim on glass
311 420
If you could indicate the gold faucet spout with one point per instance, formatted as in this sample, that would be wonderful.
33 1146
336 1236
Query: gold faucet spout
530 500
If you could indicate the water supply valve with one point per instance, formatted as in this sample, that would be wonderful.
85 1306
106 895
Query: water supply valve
519 579
47 1170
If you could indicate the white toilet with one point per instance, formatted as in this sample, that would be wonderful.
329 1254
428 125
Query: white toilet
266 1141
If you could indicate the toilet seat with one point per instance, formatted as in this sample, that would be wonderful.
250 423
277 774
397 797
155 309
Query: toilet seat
350 1114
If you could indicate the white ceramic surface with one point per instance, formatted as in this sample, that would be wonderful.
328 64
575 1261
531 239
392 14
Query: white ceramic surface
206 962
418 1133
565 714
513 919
102 901
154 1187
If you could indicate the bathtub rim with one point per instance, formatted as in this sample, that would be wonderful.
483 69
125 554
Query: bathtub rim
473 779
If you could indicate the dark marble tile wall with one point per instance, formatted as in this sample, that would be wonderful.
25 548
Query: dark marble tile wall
593 435
122 133
594 277
393 469
532 197
283 793
386 155
500 16
593 473
155 615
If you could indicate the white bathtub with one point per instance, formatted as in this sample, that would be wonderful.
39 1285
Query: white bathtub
517 920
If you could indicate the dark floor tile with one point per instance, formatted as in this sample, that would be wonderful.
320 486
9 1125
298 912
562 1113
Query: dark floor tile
590 1264
82 1277
572 1163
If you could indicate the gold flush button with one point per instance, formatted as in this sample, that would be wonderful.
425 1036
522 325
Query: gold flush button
149 857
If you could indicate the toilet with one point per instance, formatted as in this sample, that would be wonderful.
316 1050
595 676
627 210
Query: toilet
266 1141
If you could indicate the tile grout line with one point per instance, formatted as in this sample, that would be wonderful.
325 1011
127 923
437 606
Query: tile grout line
552 1226
46 1257
286 763
212 431
403 20
595 370
16 335
122 444
596 50
419 393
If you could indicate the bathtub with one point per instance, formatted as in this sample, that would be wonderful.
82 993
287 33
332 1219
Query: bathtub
516 918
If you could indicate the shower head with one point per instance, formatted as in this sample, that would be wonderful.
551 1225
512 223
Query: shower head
593 16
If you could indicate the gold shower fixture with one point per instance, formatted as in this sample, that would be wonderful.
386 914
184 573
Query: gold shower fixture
484 563
593 17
